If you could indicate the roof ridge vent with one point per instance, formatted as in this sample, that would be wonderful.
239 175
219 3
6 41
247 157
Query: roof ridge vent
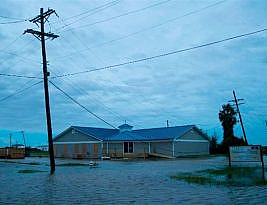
125 128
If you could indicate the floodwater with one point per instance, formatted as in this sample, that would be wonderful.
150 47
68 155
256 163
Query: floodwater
119 182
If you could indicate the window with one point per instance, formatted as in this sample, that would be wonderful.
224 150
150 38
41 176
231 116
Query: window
128 147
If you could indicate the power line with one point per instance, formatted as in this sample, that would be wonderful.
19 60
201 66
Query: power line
149 28
19 91
83 91
99 7
160 24
12 42
121 15
74 48
26 45
75 101
19 76
115 113
13 18
12 22
164 54
121 117
96 10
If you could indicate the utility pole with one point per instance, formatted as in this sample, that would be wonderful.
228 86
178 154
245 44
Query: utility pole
22 132
10 136
23 135
239 114
42 18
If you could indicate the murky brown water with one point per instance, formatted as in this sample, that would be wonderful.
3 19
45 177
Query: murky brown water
119 182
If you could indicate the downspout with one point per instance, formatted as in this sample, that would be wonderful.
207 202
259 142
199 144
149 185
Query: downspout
173 148
102 149
149 148
107 149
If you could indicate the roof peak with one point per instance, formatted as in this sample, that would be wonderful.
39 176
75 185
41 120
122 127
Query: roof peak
102 128
125 127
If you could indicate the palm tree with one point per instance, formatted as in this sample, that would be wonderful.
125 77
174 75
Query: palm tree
227 117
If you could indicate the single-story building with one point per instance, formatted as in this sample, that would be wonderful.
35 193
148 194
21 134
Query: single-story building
93 143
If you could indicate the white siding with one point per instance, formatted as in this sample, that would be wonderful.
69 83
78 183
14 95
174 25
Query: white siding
191 148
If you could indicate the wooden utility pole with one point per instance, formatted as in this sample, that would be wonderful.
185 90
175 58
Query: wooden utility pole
42 18
10 143
24 140
22 132
241 122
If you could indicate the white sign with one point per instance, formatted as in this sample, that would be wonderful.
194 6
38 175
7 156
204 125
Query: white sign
245 154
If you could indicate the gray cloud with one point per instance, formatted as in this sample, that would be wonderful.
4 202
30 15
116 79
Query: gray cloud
187 88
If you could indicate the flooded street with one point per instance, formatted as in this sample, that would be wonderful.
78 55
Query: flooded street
119 182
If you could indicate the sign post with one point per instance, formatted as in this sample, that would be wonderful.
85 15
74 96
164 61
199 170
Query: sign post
250 155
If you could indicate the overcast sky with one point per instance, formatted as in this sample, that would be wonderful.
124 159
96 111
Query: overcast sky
185 88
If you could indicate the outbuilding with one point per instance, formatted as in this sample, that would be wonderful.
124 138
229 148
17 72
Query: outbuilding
93 143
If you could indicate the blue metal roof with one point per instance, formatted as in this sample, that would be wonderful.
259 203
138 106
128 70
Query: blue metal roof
165 133
98 133
126 136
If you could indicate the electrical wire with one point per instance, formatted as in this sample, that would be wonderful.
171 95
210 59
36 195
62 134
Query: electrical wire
11 43
13 18
86 12
20 91
19 76
22 57
12 22
121 117
74 47
87 48
164 54
121 15
96 10
147 29
83 91
79 104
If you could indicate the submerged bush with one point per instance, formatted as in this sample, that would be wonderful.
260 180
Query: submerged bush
29 171
227 176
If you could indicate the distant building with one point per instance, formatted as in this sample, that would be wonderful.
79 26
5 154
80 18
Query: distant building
22 146
91 142
12 153
42 147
